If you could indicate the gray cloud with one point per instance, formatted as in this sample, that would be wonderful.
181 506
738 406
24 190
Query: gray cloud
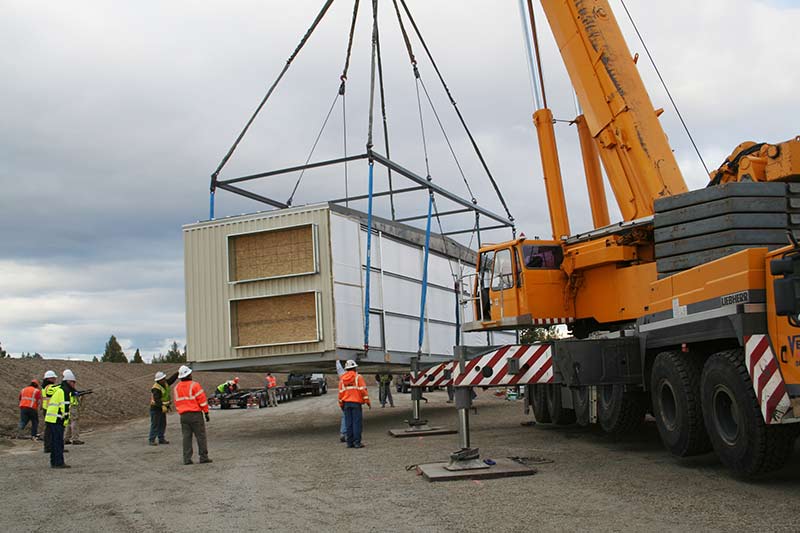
115 114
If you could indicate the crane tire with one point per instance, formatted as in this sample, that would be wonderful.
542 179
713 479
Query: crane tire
539 404
559 414
742 440
675 396
582 404
620 412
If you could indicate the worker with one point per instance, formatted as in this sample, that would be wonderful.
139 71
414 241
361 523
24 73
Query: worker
352 395
271 384
30 401
72 431
343 423
48 388
230 386
192 405
57 418
160 404
384 389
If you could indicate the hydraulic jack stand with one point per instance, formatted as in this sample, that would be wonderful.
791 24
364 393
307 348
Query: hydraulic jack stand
418 426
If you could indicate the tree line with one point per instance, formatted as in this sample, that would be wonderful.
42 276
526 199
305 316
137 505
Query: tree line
113 353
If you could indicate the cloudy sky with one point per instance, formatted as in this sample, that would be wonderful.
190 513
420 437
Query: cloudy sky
115 113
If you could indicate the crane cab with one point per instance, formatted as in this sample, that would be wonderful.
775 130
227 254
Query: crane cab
520 284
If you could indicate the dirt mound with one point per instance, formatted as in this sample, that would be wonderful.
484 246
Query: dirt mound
121 391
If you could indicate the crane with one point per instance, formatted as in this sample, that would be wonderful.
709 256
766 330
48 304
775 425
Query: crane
687 307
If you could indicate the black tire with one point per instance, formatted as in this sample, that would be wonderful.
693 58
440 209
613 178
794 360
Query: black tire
538 402
620 412
742 440
675 396
558 413
581 402
316 391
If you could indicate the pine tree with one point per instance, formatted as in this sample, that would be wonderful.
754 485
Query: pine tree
137 357
113 352
174 355
95 359
3 353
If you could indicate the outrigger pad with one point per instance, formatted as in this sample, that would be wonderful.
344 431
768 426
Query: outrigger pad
419 432
501 468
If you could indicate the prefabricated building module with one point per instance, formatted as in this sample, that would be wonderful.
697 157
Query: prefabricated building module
285 290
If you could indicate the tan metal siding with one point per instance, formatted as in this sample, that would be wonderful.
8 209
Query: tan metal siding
208 293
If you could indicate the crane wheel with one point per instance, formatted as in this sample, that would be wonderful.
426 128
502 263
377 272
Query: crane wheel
558 413
538 401
675 394
620 412
582 404
742 440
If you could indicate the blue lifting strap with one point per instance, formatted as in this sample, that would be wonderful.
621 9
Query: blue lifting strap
425 275
369 261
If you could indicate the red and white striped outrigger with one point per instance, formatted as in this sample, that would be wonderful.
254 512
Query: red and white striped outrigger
509 365
440 375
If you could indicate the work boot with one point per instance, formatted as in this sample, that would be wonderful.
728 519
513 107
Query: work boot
359 445
189 462
152 443
206 460
60 466
76 441
163 441
342 438
67 441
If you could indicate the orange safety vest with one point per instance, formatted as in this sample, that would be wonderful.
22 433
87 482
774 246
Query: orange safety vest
352 388
29 397
190 397
271 382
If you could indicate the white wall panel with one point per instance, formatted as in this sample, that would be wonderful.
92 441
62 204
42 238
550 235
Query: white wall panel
345 249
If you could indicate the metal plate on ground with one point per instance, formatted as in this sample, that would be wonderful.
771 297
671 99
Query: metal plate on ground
401 433
502 468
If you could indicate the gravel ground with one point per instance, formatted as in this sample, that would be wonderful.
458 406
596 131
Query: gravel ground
284 470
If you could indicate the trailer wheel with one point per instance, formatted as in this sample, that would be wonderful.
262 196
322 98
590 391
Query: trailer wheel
618 411
675 394
743 441
582 405
559 414
538 402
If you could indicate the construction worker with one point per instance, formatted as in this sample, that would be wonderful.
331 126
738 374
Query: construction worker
271 384
160 404
30 401
343 423
352 394
48 388
57 418
71 434
230 386
191 404
384 389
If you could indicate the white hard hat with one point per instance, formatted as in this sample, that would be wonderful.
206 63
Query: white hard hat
350 364
184 371
160 375
68 375
50 374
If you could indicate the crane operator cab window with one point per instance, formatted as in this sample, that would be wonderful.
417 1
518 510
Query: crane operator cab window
484 282
503 273
542 257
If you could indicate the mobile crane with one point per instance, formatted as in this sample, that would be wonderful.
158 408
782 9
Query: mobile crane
687 308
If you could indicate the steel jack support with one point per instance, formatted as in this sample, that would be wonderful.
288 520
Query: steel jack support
417 426
467 458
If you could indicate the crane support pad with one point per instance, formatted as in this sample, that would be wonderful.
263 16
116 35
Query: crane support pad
502 468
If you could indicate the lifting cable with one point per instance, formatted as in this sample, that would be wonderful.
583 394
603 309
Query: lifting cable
299 47
385 122
342 92
368 273
458 111
664 84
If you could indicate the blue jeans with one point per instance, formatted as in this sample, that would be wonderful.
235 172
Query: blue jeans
352 417
158 425
56 443
343 426
26 414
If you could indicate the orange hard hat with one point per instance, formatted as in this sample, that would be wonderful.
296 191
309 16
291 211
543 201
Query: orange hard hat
35 382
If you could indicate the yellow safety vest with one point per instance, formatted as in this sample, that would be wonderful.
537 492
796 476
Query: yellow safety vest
47 392
57 407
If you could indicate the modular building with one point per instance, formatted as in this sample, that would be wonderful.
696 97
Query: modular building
284 290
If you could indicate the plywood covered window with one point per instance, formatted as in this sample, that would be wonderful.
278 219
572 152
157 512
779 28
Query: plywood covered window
272 254
288 319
